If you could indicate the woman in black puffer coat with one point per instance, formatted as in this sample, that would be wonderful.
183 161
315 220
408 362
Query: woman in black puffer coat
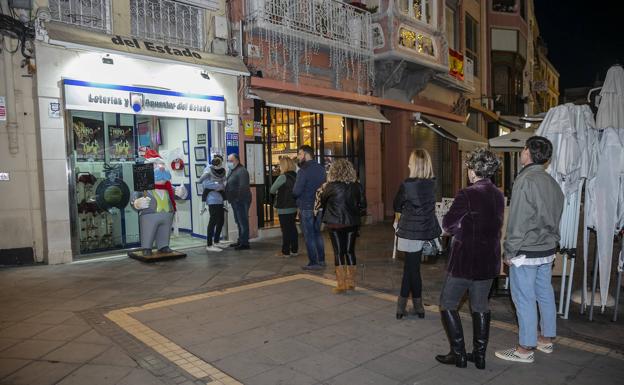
415 222
341 202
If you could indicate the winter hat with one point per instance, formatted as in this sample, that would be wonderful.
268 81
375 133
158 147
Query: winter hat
151 156
217 161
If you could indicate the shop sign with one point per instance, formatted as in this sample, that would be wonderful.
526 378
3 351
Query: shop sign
2 108
54 110
248 125
88 96
456 64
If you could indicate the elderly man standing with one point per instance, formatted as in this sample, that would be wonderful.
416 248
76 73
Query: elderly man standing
238 193
530 246
310 177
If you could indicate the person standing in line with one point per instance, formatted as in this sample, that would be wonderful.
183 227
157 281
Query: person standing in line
238 193
310 177
474 220
530 246
415 222
340 203
286 206
213 180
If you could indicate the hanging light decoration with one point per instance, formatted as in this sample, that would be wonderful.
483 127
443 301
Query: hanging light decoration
294 32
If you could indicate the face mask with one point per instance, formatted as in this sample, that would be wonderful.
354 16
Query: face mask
161 174
230 165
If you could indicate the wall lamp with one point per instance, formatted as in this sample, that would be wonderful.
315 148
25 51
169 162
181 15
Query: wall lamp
204 74
107 59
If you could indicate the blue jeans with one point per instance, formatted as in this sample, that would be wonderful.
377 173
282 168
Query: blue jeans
311 227
531 284
241 217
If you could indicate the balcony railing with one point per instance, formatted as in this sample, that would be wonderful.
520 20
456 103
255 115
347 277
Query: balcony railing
328 22
168 21
92 14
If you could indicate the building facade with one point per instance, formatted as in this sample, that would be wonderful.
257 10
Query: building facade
113 79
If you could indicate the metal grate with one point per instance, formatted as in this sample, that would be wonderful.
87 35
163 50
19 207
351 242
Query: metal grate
92 14
168 21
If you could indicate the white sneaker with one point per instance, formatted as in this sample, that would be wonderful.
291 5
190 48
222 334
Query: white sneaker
514 355
213 248
221 245
545 347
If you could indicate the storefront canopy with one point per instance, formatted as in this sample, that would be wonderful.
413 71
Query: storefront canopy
71 37
511 142
465 137
322 106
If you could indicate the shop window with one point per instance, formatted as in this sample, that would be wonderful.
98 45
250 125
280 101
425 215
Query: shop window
507 6
92 14
418 9
416 41
168 21
472 43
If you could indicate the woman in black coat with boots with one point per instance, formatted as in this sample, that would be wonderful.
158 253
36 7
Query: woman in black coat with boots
415 223
474 220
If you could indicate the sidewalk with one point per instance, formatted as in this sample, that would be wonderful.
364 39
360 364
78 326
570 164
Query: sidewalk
250 317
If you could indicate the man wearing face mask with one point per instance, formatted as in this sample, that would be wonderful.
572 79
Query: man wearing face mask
310 177
156 207
238 193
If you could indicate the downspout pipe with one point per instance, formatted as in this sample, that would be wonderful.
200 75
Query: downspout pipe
11 114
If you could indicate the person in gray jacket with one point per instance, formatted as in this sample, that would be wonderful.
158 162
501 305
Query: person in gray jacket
213 181
530 247
238 193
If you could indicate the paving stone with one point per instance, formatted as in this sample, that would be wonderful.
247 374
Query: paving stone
7 342
398 367
53 317
287 350
76 352
361 376
63 332
23 330
116 357
357 352
39 373
246 364
10 365
30 349
96 375
322 366
280 376
93 337
323 338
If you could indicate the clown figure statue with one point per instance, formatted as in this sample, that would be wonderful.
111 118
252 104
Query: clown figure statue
156 207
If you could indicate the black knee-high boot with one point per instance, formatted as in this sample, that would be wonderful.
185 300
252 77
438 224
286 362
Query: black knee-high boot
455 333
480 338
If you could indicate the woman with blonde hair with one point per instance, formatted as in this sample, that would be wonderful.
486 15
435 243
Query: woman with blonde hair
415 222
286 206
341 203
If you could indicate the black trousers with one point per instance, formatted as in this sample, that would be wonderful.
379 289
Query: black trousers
290 236
215 223
343 242
412 283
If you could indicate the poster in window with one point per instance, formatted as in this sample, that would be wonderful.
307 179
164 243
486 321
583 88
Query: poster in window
120 143
88 139
145 138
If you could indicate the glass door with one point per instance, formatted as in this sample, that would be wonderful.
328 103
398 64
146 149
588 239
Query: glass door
103 151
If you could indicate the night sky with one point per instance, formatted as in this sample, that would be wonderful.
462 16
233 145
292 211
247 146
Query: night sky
583 38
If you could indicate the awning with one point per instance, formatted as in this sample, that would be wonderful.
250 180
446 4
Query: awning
511 142
72 37
466 138
322 106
